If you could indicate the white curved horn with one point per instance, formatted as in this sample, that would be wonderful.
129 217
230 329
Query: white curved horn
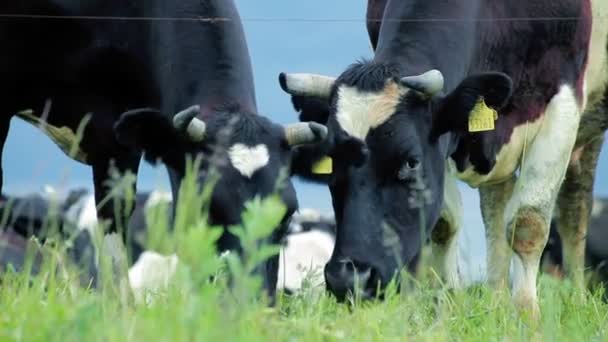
430 83
305 133
307 84
187 123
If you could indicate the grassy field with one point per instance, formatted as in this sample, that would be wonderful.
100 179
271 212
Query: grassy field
50 307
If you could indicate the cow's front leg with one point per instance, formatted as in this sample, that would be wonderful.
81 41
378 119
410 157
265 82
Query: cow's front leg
444 238
114 207
493 200
5 121
528 213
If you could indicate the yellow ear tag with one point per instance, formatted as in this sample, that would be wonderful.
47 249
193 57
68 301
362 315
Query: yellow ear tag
323 166
482 117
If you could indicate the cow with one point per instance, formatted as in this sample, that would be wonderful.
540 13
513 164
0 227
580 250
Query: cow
42 217
209 109
307 248
596 251
80 215
109 80
492 92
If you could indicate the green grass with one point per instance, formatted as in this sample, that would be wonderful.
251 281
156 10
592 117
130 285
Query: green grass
50 307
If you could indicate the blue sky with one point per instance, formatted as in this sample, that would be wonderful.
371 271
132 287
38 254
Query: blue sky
31 160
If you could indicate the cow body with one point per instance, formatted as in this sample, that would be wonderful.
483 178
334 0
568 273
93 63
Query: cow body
523 64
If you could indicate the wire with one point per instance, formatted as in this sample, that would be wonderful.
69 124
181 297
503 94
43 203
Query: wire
285 20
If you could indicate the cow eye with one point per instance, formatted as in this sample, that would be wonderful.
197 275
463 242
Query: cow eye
409 169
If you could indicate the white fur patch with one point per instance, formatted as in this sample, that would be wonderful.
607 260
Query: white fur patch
158 197
507 159
597 209
596 75
83 214
358 112
151 275
304 258
247 160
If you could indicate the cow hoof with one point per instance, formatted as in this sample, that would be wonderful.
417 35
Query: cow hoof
527 308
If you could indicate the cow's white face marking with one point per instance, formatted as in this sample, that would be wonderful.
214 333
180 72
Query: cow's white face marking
358 112
247 160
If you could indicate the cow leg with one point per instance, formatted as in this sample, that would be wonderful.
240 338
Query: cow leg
528 212
493 200
118 221
444 238
113 246
574 203
5 121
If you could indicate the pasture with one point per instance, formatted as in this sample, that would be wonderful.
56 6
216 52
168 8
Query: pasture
384 179
200 305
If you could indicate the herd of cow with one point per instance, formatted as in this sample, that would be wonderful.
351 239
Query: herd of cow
509 97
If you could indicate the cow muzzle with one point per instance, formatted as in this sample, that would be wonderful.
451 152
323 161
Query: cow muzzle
346 278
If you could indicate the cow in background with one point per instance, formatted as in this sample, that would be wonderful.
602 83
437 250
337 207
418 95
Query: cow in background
500 100
307 248
596 247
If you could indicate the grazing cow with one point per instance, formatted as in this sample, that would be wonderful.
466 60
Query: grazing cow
73 69
206 66
308 247
13 253
80 213
596 249
42 217
498 92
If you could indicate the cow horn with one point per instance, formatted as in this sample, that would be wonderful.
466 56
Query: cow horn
187 123
429 83
305 133
307 84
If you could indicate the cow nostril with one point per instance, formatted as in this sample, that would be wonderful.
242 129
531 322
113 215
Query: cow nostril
346 277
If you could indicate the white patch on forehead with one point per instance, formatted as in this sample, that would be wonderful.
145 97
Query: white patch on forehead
247 160
358 112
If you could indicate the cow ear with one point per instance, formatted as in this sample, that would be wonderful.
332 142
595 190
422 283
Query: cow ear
473 106
311 109
147 130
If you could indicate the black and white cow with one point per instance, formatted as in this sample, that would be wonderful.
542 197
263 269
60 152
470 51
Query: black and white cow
42 216
78 70
207 68
497 97
307 248
596 248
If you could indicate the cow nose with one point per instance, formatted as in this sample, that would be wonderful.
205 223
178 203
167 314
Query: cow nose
346 276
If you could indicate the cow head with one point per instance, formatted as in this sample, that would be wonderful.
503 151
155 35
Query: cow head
249 152
389 137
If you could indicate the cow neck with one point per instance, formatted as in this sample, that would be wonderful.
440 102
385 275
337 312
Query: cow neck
209 60
421 35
